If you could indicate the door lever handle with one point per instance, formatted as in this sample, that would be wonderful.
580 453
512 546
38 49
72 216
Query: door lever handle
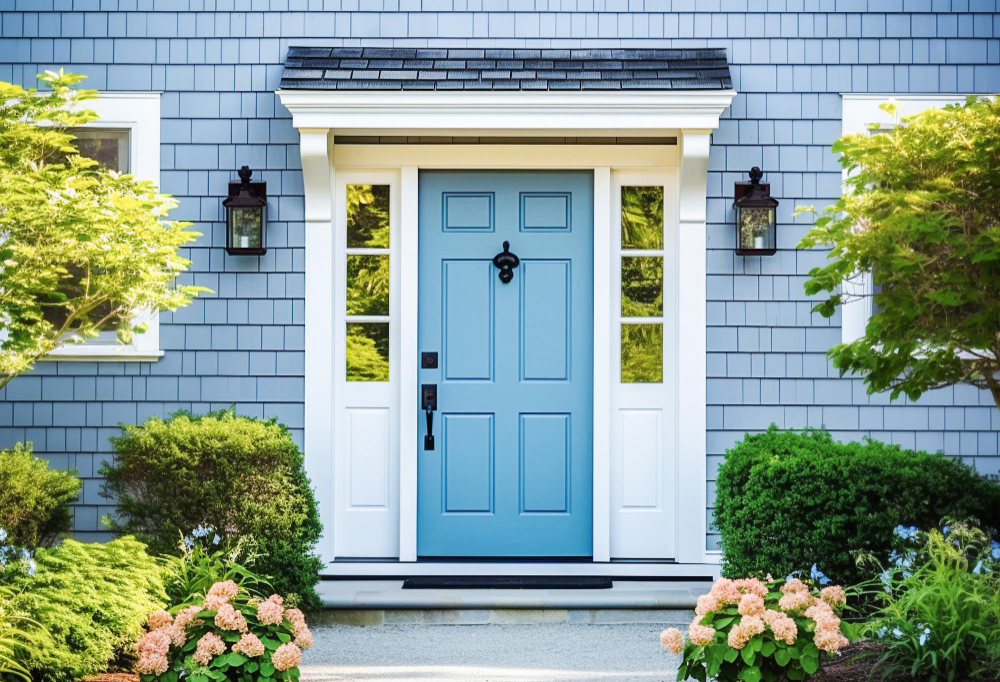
429 438
428 402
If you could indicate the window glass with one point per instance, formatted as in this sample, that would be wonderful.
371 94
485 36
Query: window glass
368 216
642 353
642 286
367 283
642 217
107 146
368 351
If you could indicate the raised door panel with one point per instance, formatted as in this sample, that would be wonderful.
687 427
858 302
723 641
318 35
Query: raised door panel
467 454
467 303
546 319
545 463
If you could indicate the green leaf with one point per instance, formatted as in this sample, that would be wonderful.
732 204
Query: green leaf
748 655
237 659
266 668
782 657
809 664
731 654
750 674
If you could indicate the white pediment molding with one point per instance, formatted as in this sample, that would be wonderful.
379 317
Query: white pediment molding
418 111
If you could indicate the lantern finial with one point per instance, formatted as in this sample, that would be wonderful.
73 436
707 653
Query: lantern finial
245 174
756 174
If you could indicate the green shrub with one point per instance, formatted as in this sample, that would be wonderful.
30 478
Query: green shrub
91 600
34 500
19 639
939 616
204 560
239 475
787 500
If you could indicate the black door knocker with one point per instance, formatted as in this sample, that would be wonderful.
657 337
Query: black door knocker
506 262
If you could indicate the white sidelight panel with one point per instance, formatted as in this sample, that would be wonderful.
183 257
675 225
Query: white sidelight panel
644 365
366 352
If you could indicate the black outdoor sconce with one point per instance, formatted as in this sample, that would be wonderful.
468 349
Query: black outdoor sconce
246 216
756 216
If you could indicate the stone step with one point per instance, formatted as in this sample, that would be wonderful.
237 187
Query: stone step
378 602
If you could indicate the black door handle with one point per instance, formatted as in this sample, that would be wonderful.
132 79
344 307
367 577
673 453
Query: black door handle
429 403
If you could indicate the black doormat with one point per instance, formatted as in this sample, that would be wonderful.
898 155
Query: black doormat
506 583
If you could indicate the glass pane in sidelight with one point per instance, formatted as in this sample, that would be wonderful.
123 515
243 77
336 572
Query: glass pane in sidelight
642 217
368 216
642 353
368 351
367 285
642 286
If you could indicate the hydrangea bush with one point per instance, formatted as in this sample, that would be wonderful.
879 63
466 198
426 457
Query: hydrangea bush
750 629
230 635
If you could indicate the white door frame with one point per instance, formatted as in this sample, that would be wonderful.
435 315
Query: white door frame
321 116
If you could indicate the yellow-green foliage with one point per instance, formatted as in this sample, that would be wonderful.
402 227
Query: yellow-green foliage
84 247
92 600
34 500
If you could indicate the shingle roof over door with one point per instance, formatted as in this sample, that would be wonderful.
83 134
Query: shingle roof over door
378 68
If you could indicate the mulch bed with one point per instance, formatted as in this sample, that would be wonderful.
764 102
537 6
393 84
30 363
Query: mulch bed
855 664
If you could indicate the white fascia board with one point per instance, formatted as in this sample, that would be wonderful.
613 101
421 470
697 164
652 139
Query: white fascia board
415 112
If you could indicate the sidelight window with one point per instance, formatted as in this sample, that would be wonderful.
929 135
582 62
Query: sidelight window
367 270
641 284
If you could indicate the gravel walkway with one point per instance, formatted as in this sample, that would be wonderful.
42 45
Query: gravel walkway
489 653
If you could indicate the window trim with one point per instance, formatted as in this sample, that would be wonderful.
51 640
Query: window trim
858 113
139 113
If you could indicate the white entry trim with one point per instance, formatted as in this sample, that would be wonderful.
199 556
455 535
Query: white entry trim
320 116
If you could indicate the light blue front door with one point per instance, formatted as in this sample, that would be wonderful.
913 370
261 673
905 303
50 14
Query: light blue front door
510 474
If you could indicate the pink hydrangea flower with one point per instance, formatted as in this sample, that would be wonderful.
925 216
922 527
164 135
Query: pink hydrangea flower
707 603
782 625
833 595
795 601
672 640
303 635
270 612
220 593
751 586
725 591
829 639
158 618
209 646
701 635
151 651
286 657
294 615
751 605
228 618
794 585
249 645
186 616
741 633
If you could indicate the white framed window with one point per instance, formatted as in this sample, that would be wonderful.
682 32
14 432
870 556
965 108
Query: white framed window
125 137
860 112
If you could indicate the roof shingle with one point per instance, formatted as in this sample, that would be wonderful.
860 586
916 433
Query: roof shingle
381 68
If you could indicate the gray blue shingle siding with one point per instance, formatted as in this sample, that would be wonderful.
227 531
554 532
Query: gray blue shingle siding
380 68
218 63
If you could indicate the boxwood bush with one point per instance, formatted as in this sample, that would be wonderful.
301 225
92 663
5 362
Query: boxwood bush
241 476
788 500
89 601
34 499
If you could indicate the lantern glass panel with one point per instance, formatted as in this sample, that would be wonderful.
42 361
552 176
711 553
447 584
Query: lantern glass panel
246 226
756 228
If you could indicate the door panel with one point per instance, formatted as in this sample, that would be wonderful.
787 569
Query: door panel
510 473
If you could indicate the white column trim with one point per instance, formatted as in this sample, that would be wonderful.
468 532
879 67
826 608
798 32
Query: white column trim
691 372
317 177
409 352
602 364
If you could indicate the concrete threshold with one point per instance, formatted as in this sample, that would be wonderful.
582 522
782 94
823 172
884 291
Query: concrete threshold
383 602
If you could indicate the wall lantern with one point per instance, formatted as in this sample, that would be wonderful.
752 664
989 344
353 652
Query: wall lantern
756 215
246 216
